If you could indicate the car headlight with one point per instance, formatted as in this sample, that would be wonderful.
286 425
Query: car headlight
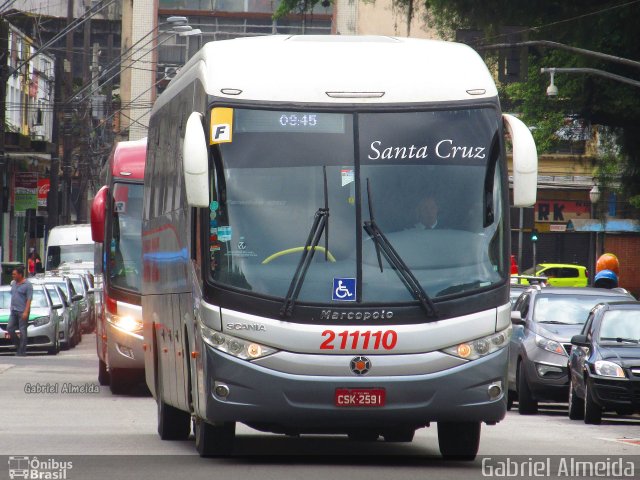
609 369
550 345
244 349
41 321
480 347
125 322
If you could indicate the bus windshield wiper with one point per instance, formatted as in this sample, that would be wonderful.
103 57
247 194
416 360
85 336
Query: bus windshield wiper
320 225
383 245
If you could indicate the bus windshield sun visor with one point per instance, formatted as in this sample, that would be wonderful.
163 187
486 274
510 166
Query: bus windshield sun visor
320 226
395 260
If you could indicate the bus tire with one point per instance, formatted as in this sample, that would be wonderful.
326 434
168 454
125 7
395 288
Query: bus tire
526 403
173 423
592 411
459 440
103 374
120 381
214 440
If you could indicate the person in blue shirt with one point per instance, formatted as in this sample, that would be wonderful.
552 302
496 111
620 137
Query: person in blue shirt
21 296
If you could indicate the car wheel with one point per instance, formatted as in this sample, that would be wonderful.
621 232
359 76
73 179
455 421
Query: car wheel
214 440
592 411
527 405
576 404
55 348
103 374
459 440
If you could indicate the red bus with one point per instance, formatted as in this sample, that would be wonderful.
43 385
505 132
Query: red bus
116 215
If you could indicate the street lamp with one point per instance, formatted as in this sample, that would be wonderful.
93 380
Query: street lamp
552 89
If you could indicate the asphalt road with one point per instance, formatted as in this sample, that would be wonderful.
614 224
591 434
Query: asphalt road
108 436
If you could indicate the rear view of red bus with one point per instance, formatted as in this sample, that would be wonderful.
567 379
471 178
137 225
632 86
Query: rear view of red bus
116 215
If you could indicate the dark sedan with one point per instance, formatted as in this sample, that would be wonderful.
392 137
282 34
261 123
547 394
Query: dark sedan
604 366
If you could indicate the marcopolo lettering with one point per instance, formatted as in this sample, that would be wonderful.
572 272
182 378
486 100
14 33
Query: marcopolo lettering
356 315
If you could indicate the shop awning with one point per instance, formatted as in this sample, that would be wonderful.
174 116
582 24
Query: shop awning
610 225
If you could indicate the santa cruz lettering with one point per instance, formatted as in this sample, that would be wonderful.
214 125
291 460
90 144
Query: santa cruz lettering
443 149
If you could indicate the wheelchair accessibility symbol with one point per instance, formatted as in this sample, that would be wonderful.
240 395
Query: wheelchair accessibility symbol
344 290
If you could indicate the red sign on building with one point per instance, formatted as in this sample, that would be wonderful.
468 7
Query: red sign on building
44 184
558 211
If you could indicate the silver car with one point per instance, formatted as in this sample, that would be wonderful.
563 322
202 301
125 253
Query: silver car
70 326
81 286
73 298
43 325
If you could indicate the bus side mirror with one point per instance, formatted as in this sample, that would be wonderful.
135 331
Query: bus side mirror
525 162
98 214
195 162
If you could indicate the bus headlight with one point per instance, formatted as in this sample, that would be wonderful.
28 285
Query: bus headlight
480 347
238 347
41 321
125 322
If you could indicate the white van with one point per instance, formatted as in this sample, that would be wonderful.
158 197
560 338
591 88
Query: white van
70 249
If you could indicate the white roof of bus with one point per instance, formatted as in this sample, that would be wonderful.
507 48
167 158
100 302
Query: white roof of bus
304 68
70 235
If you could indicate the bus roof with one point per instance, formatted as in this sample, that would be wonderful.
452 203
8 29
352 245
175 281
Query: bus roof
128 159
322 68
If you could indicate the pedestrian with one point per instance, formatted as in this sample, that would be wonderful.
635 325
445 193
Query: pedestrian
21 296
31 263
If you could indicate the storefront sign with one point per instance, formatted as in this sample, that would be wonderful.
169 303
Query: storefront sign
43 191
26 191
561 211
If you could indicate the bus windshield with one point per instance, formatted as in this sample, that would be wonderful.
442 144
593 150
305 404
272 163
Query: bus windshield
124 244
58 255
431 181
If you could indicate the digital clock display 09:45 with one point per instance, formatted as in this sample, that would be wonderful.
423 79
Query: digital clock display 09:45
299 119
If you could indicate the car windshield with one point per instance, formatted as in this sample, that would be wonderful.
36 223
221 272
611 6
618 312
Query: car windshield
279 170
568 309
53 293
39 299
5 299
125 244
77 284
58 255
623 324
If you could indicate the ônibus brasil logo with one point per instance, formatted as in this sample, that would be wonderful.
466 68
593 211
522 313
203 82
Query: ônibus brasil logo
35 468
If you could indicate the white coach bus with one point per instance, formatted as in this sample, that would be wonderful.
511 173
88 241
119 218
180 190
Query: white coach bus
326 241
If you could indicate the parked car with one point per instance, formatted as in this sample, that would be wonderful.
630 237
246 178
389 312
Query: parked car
519 283
43 325
70 327
561 274
544 321
72 297
604 365
81 285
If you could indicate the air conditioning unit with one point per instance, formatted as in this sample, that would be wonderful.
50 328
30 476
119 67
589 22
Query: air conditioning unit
170 72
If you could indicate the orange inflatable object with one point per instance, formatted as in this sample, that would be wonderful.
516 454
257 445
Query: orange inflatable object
608 261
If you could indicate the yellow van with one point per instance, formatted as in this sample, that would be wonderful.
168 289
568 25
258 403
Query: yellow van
561 274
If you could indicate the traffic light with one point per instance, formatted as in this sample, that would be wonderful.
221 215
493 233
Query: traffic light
534 235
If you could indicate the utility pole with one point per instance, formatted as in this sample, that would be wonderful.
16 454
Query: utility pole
85 124
67 144
4 77
53 207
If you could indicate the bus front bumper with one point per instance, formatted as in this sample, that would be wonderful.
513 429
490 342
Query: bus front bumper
124 349
261 396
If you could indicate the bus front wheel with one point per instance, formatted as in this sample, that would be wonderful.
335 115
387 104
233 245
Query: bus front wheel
214 440
459 440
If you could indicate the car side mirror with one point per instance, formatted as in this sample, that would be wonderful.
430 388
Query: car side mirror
516 318
57 306
580 341
76 298
91 290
